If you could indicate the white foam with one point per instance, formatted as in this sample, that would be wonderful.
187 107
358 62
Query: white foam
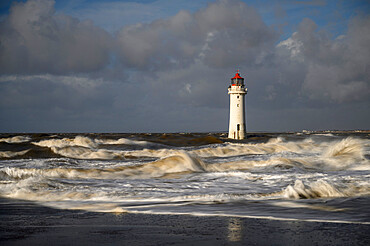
322 188
324 134
66 142
16 139
347 147
246 172
9 154
122 141
206 214
79 152
291 204
159 153
169 165
307 154
346 154
273 146
88 142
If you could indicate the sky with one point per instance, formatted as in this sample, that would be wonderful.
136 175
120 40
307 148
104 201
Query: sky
165 65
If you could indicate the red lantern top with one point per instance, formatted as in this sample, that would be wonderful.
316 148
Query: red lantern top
237 76
237 80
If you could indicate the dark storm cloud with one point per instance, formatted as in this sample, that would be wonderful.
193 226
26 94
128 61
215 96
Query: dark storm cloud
35 40
62 74
73 103
190 52
225 34
189 59
336 70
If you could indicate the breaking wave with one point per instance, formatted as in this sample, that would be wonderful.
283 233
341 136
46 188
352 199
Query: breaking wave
79 152
16 139
173 164
122 141
323 189
10 154
347 147
327 155
308 154
87 142
66 142
347 154
192 173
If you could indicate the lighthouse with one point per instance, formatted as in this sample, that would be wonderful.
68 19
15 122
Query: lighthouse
237 91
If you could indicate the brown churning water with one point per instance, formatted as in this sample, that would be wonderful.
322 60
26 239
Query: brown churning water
300 176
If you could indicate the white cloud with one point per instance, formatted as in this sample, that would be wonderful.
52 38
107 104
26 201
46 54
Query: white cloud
294 46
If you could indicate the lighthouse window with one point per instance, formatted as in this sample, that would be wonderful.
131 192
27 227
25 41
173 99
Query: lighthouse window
237 105
237 96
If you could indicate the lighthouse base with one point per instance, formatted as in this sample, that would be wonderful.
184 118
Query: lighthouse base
238 133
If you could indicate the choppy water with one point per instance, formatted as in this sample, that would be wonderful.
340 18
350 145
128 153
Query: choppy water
316 177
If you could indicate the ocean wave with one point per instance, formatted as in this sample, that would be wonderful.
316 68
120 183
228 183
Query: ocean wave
121 141
79 152
16 139
347 154
87 142
323 189
349 150
169 165
182 163
36 189
347 147
192 173
274 145
227 150
10 154
309 153
66 142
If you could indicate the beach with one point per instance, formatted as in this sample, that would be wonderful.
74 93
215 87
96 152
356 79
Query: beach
175 122
304 188
26 223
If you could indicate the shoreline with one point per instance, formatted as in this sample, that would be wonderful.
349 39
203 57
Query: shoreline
27 223
258 217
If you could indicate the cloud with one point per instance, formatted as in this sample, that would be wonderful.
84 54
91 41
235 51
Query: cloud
314 2
226 33
54 103
111 15
51 92
35 40
337 70
67 103
172 74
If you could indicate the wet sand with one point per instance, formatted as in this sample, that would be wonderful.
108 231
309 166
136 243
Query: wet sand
26 223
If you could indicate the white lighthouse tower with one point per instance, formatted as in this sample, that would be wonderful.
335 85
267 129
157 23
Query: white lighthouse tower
237 124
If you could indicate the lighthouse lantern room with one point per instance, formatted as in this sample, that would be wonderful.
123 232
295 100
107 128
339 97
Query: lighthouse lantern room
237 123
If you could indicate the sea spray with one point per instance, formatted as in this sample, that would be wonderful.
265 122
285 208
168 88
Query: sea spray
287 176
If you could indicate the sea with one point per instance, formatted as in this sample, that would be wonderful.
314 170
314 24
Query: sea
300 176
